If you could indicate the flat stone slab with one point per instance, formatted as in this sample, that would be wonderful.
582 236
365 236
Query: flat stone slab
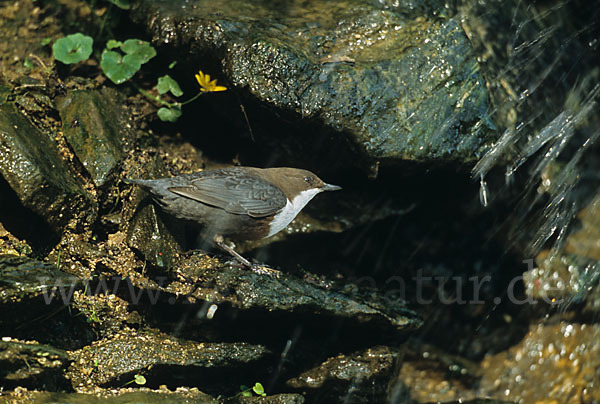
129 351
276 291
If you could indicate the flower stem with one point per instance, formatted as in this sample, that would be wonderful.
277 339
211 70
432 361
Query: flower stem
160 101
194 98
155 98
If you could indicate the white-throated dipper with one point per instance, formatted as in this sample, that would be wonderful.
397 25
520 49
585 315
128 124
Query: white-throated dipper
244 203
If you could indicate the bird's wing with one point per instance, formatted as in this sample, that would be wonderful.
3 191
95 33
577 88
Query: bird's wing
241 194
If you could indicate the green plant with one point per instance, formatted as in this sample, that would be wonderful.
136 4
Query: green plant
92 316
258 389
138 379
58 259
121 60
73 48
121 66
167 84
171 111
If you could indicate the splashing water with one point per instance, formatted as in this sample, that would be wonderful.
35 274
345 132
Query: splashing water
550 128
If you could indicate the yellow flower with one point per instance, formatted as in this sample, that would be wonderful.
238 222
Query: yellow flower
206 85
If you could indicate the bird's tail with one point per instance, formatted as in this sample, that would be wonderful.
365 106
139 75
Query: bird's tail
143 183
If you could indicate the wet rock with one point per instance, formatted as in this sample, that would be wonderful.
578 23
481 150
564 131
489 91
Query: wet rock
561 360
22 277
354 378
182 395
149 235
270 399
117 396
31 363
429 374
560 278
586 241
106 313
95 127
151 232
571 274
272 290
30 162
480 401
11 245
399 87
130 351
553 277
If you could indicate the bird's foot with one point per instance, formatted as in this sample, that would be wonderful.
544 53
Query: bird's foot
265 270
221 244
256 268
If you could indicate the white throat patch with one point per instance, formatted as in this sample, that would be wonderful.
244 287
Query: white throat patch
290 210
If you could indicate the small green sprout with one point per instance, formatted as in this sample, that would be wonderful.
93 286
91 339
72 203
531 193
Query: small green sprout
45 41
72 48
120 68
92 316
138 379
258 389
58 260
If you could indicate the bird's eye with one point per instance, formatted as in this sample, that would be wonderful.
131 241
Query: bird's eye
308 179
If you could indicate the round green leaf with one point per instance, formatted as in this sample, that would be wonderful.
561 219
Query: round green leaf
72 48
259 389
139 379
139 49
117 68
169 114
166 84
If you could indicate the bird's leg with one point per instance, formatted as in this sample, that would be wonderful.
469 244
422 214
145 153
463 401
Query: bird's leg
218 239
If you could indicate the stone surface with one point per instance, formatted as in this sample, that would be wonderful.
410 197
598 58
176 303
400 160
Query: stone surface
116 396
143 396
9 244
23 277
27 362
428 374
278 291
359 377
31 164
561 360
129 351
149 235
400 87
572 274
269 399
95 127
155 235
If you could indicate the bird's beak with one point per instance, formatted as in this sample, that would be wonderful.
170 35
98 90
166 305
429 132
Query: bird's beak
329 187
